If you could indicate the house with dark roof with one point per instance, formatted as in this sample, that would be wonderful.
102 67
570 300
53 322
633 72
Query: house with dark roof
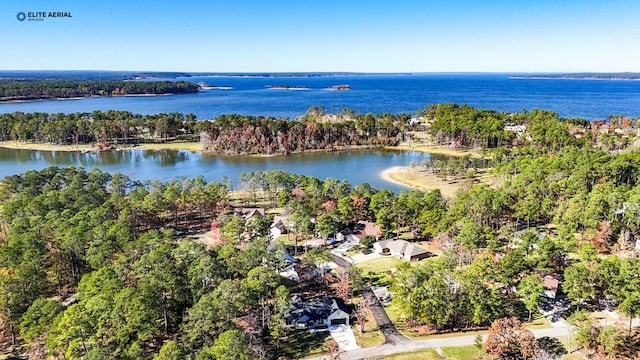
317 314
401 249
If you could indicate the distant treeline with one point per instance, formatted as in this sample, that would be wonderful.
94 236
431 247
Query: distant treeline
11 90
587 76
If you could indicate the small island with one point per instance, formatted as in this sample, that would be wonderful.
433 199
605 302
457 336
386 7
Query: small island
343 87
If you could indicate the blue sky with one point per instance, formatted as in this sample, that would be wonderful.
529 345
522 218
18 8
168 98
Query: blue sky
324 35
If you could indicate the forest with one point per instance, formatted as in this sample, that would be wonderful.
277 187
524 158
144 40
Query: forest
12 90
97 265
227 134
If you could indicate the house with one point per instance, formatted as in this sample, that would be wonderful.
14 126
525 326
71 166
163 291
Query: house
278 227
317 314
401 249
364 228
248 213
360 230
551 285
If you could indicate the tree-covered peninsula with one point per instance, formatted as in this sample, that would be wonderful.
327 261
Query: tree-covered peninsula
16 90
227 134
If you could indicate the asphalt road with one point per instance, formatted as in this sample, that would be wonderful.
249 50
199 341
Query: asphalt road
413 345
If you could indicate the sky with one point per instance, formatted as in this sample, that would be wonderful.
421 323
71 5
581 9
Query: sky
323 35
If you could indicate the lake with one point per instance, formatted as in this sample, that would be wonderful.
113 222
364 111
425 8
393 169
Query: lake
590 99
356 166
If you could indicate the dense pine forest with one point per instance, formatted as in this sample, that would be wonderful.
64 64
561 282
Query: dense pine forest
12 90
97 265
227 134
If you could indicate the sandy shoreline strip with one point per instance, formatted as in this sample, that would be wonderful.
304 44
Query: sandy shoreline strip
415 179
386 176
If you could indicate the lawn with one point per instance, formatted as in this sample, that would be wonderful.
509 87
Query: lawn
190 146
372 336
379 265
460 352
427 354
541 323
302 343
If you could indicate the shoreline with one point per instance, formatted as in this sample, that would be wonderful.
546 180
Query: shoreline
197 147
15 145
411 178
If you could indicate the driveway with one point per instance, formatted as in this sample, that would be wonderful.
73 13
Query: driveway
344 247
391 334
343 335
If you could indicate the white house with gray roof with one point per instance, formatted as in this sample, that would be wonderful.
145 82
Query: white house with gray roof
401 249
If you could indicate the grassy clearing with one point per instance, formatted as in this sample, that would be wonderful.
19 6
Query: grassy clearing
379 265
426 354
461 352
43 147
190 146
435 149
423 181
302 343
541 323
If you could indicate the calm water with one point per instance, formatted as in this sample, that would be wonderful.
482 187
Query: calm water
591 99
357 167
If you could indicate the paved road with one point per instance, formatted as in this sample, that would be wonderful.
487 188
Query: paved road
413 345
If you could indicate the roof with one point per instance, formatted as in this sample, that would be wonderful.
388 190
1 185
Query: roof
248 213
402 247
551 283
364 228
318 309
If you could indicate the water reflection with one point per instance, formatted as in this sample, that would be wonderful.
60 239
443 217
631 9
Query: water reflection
357 167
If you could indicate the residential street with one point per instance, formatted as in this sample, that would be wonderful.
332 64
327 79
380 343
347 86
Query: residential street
413 345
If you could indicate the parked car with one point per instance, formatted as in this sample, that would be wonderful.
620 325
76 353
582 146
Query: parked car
367 251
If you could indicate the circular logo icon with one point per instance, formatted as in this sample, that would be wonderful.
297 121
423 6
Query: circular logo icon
21 16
